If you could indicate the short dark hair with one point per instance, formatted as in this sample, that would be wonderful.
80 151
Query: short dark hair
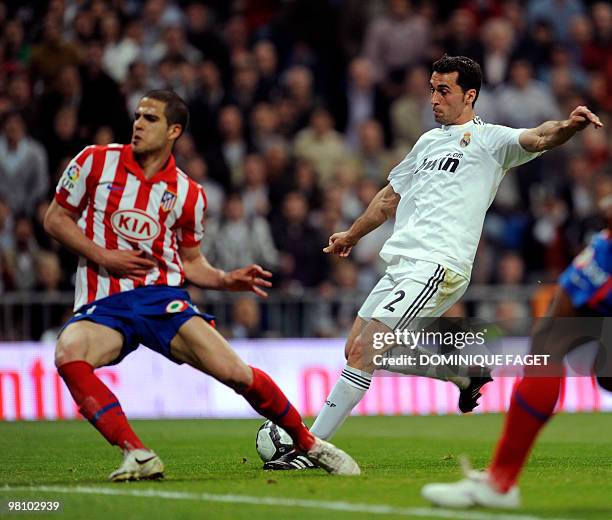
176 110
470 73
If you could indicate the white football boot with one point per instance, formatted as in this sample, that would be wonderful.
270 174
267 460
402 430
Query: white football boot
332 459
473 490
137 465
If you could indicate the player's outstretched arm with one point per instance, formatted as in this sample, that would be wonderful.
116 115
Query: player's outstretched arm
382 207
554 133
61 224
198 271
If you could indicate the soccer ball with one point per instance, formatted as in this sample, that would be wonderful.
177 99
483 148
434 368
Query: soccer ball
272 442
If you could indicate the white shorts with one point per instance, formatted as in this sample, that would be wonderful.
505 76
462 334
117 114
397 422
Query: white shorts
412 289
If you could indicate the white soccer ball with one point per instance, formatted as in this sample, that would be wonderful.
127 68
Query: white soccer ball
272 442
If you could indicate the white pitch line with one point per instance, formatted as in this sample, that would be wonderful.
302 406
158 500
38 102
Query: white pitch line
374 509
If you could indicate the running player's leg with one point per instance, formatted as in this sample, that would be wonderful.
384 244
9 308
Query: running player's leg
202 347
394 302
346 393
532 405
534 398
82 347
353 382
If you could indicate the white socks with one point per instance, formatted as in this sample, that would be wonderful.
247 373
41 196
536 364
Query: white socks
346 394
352 386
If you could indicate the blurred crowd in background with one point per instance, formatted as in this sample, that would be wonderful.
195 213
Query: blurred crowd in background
299 109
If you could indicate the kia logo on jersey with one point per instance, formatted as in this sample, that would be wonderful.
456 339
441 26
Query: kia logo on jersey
135 225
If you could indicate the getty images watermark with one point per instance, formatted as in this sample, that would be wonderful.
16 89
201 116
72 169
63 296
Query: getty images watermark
446 347
405 348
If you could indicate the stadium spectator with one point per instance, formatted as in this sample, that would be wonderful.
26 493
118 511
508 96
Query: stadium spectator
363 101
525 101
582 176
299 99
202 35
320 144
536 45
255 189
157 15
17 51
463 36
49 284
245 93
210 95
305 182
66 91
236 37
559 13
263 126
498 38
185 150
19 90
397 40
246 318
21 261
234 238
7 239
411 112
137 83
110 34
302 262
346 177
97 85
197 169
52 53
64 142
374 161
24 178
227 156
278 167
266 61
334 315
174 47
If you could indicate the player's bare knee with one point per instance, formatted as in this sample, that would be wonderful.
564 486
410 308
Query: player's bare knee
69 348
355 352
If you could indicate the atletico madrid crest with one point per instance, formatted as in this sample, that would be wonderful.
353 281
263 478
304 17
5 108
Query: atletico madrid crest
168 200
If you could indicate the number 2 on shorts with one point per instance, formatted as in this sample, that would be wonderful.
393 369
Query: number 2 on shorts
400 296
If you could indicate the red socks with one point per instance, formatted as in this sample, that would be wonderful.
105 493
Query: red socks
533 402
102 409
267 399
98 404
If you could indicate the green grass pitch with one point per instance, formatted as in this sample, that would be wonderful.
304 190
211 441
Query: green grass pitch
213 470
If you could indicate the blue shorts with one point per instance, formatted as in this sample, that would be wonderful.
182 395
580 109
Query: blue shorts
150 316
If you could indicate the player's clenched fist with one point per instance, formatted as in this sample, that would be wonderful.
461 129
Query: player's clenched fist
581 117
340 244
130 264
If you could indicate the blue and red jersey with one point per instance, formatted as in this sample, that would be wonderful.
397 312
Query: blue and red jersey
588 280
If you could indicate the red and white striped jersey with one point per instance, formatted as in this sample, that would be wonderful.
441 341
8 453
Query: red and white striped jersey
121 209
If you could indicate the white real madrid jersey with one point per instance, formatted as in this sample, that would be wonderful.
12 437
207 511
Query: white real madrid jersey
446 183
